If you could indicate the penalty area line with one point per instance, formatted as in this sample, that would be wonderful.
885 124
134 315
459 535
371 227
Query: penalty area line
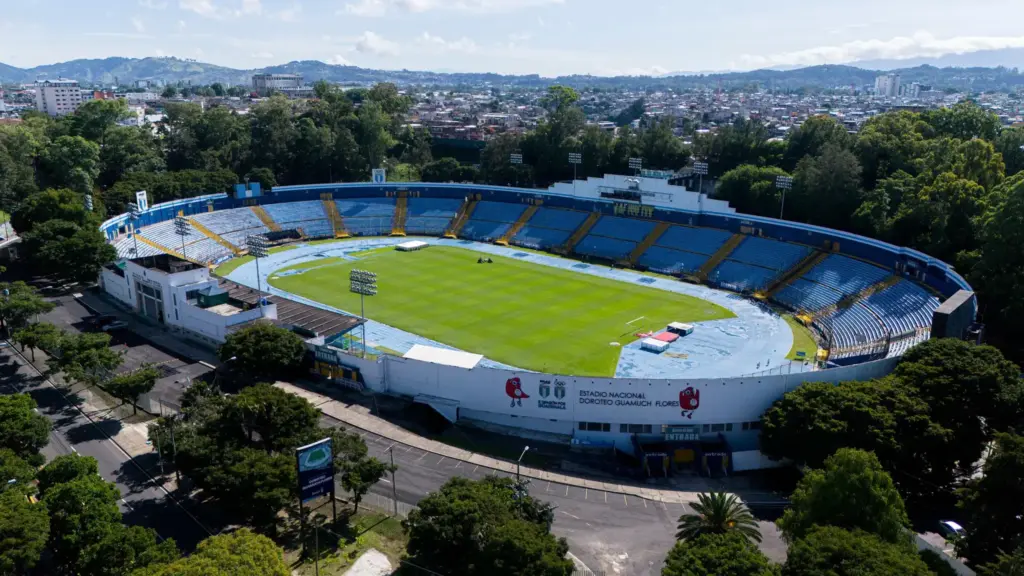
635 320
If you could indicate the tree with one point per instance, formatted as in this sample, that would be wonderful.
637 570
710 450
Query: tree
169 92
826 188
130 385
68 251
19 148
940 218
126 150
359 476
728 554
15 473
991 503
634 111
274 136
852 491
59 204
93 118
124 549
71 162
23 430
66 468
19 303
272 418
998 274
85 357
891 142
832 551
1006 564
264 352
964 121
459 529
24 529
265 176
1010 143
811 137
41 335
660 148
496 166
751 189
252 485
718 513
743 142
443 170
240 553
82 513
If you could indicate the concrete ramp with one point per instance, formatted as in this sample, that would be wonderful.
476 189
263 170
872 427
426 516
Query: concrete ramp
445 407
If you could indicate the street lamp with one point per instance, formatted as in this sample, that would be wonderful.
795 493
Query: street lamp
783 183
257 244
133 215
575 158
364 283
636 164
525 448
181 229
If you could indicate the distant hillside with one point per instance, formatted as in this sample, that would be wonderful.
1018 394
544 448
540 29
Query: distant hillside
109 71
1007 58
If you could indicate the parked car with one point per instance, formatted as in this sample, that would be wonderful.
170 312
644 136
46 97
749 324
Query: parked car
101 319
950 530
115 325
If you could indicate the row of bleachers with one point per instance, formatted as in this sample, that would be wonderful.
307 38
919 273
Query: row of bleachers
557 219
314 228
668 261
125 247
699 240
367 208
804 295
288 213
224 221
904 307
239 237
164 234
368 226
484 230
427 225
739 276
487 211
622 228
846 275
539 238
605 247
769 253
206 250
855 326
433 207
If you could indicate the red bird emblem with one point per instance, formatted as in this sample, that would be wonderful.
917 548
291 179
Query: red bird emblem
689 400
514 390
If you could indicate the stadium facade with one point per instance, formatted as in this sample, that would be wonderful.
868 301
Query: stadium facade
866 300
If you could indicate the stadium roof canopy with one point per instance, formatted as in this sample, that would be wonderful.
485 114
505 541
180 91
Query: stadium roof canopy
444 356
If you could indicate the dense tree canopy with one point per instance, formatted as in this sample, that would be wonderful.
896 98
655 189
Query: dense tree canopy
240 553
993 504
64 469
23 431
24 529
718 513
264 352
832 551
728 554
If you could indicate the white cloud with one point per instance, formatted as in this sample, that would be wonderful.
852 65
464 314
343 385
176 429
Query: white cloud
921 44
252 7
160 53
262 55
152 5
201 7
339 60
372 43
138 24
461 45
377 8
519 37
289 14
208 9
181 25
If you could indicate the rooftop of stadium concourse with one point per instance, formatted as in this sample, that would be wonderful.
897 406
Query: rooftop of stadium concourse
165 263
321 323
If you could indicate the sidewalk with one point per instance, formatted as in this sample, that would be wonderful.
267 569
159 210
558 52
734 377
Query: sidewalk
359 417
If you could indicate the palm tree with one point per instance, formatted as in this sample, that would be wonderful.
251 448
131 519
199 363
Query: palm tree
718 513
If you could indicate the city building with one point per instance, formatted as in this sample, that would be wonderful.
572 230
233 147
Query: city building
887 85
57 97
265 83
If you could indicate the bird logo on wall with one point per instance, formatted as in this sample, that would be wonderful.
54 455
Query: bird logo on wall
689 400
514 390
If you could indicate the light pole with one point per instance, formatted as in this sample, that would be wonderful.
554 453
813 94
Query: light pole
364 283
516 159
575 158
525 448
636 164
700 169
133 215
394 487
783 183
257 244
181 229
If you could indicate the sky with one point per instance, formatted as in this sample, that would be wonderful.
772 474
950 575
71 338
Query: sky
547 37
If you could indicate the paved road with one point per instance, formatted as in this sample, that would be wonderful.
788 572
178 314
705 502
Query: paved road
143 502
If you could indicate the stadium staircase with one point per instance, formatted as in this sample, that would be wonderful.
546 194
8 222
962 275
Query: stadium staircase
852 299
580 233
214 236
799 269
461 217
518 225
401 210
648 242
337 223
721 254
167 250
264 217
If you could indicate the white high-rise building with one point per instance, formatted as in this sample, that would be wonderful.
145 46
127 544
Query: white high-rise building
58 97
887 86
264 83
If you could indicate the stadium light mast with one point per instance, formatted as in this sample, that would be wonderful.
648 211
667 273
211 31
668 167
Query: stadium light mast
783 183
257 244
133 215
516 159
181 229
364 283
575 158
700 169
636 164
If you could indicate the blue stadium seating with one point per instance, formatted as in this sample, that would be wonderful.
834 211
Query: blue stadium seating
699 240
426 225
497 211
846 275
367 208
540 238
804 295
379 226
668 261
622 228
556 219
904 307
604 247
739 276
769 253
288 213
315 228
484 231
225 221
854 326
433 207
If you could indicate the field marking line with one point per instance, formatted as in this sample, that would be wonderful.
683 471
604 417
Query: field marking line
635 320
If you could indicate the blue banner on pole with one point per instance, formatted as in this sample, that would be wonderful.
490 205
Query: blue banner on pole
315 464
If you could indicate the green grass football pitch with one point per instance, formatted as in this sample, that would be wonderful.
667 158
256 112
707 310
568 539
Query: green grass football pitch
527 315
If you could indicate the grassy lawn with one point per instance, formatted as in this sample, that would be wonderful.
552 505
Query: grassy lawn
802 340
524 314
365 530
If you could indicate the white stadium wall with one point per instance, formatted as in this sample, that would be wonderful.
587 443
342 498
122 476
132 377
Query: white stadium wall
656 192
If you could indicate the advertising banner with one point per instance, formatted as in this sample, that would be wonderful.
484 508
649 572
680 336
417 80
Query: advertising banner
315 463
142 200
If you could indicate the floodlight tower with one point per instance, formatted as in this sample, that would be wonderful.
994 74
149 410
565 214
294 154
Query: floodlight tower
133 215
575 158
181 229
636 164
783 183
700 169
364 283
257 244
516 159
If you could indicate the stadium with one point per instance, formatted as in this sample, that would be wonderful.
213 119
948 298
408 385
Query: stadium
618 313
